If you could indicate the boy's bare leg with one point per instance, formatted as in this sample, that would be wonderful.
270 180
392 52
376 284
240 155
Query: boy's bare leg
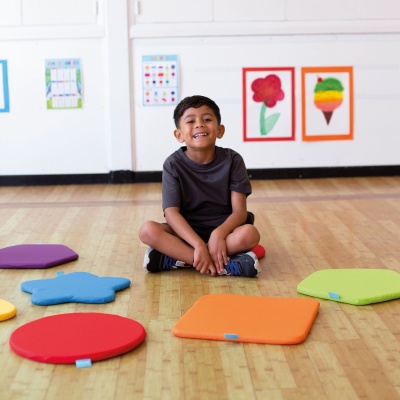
242 239
162 238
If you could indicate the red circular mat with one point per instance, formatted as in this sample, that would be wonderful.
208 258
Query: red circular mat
66 338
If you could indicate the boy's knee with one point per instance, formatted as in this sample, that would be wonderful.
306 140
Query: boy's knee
246 236
252 235
145 231
150 231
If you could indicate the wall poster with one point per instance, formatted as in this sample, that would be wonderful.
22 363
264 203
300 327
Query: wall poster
4 96
268 104
63 83
160 80
327 103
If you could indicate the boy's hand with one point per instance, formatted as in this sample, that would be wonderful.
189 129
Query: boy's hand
217 249
203 261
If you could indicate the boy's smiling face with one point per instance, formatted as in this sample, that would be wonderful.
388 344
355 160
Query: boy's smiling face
199 128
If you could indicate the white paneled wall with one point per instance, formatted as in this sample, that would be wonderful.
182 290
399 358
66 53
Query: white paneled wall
383 9
214 48
156 11
47 12
178 11
213 67
94 139
322 10
249 10
10 13
58 12
214 40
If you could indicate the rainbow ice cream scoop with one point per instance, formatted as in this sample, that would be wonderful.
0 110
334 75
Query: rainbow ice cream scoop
328 96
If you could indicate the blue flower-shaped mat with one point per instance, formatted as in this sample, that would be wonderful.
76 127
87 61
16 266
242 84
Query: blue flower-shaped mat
76 287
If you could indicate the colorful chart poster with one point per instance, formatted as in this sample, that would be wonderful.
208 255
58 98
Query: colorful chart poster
160 80
4 97
63 84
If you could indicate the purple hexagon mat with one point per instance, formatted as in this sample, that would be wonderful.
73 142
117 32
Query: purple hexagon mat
35 256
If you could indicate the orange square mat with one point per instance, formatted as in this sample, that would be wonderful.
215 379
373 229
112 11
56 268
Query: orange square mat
251 319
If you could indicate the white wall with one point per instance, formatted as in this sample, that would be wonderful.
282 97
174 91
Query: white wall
227 36
213 67
94 139
214 41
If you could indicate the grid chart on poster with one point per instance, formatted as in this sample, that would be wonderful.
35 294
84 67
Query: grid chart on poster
63 84
160 80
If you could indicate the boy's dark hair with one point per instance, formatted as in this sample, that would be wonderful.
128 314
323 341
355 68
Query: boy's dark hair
195 102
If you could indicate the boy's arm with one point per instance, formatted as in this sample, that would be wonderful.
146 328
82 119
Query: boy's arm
202 260
217 242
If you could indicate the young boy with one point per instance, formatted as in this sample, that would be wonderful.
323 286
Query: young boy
204 192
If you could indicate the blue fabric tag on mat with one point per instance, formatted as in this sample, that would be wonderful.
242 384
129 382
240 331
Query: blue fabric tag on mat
231 336
84 363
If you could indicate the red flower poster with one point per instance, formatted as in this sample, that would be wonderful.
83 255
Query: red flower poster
268 104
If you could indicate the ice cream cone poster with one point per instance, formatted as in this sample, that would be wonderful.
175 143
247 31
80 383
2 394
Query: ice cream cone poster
268 104
327 103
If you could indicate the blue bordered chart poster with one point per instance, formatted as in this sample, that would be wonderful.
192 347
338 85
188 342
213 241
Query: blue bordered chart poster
4 96
160 80
63 83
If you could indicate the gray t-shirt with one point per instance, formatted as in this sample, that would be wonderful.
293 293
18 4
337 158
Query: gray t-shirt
202 192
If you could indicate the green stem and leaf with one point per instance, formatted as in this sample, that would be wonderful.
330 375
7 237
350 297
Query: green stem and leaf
267 124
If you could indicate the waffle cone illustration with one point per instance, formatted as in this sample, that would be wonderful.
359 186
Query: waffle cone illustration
327 115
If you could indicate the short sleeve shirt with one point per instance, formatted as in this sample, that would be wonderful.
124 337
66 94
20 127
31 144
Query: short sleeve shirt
202 192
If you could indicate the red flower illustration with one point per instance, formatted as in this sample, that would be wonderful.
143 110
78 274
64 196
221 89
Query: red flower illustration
268 91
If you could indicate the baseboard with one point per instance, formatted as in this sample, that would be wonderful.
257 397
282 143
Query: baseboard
325 172
121 177
113 177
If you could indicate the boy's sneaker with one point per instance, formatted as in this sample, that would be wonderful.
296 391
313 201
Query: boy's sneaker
154 261
244 264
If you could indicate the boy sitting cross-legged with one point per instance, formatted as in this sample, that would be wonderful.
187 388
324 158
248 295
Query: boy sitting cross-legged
204 198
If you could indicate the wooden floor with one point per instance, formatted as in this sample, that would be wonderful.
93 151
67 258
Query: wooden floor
306 225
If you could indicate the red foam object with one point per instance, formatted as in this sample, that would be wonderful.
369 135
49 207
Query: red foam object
66 338
259 251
